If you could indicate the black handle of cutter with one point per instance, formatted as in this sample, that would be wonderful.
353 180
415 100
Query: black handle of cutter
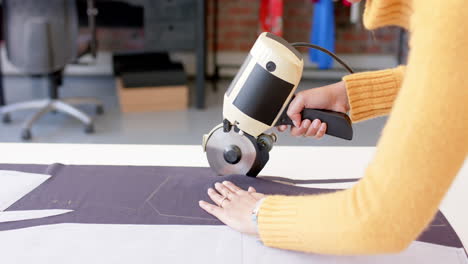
338 124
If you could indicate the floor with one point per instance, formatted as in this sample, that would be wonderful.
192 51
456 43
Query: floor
170 127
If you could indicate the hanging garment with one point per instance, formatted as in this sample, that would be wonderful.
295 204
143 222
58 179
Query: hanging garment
323 33
271 16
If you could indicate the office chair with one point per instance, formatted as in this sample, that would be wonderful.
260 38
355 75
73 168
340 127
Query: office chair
41 39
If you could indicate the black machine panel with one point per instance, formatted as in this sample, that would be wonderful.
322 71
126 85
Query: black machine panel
259 85
239 73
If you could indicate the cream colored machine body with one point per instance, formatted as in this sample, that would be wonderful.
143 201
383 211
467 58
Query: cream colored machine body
269 76
257 100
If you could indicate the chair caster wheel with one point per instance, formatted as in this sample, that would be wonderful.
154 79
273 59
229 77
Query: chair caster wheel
26 135
89 129
6 119
99 110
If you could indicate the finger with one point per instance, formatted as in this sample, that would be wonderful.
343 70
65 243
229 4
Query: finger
296 132
216 197
295 108
216 211
296 119
224 191
251 189
282 128
314 127
321 131
301 130
231 186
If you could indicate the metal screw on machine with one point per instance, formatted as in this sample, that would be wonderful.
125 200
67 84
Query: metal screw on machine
267 141
232 154
271 66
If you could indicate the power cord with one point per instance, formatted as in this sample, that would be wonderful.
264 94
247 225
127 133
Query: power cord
324 50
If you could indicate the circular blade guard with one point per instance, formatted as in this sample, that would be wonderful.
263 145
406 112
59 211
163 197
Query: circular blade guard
251 161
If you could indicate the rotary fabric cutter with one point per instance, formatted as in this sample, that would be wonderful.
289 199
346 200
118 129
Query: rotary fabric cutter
257 100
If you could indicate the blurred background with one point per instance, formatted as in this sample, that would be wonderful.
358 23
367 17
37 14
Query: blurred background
155 71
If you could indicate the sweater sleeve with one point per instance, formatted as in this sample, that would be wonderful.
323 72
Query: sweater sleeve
372 94
421 150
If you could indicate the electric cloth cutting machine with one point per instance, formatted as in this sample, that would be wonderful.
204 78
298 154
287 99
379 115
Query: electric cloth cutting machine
257 100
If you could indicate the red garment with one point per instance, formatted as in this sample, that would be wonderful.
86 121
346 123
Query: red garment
271 16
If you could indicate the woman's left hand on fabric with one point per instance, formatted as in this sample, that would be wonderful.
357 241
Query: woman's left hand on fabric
233 206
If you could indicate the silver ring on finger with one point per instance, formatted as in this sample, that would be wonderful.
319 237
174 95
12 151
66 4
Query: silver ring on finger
221 203
227 194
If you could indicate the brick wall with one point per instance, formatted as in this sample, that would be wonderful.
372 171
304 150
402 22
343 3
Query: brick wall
238 28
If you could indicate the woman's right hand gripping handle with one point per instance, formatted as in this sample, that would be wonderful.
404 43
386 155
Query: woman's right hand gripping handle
331 97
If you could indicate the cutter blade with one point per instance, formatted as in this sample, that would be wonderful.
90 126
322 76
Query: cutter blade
231 152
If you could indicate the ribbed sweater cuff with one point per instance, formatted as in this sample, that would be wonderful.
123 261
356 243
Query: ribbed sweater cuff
385 13
372 94
276 217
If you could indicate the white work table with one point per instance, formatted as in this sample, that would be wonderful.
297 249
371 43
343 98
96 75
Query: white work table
291 162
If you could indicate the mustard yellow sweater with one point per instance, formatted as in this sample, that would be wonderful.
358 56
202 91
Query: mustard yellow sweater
423 145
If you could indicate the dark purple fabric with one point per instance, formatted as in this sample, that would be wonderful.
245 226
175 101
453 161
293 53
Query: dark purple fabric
150 195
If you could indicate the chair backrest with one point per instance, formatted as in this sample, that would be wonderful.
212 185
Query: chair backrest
40 35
